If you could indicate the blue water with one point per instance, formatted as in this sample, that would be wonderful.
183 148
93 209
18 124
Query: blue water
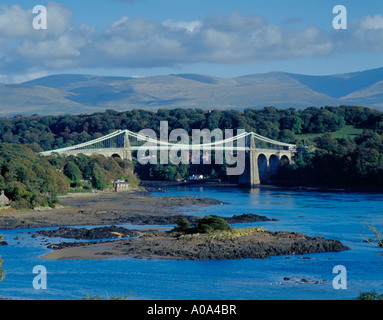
340 216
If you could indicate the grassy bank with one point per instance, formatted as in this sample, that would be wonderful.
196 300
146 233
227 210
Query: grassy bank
346 131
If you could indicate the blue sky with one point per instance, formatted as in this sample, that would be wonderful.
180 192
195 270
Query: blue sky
217 37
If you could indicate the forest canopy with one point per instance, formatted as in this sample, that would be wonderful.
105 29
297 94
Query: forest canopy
53 132
30 180
341 162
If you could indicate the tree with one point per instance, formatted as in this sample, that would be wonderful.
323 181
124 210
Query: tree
213 120
209 224
84 164
99 178
376 239
98 297
72 171
326 142
182 224
297 125
370 139
370 295
287 136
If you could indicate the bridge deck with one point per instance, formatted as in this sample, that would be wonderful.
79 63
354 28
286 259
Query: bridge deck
153 148
103 145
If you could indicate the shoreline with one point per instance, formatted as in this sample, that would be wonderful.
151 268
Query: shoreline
106 208
117 232
295 186
139 207
248 243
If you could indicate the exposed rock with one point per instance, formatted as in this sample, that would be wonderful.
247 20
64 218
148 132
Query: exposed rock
250 243
172 219
63 245
247 218
111 232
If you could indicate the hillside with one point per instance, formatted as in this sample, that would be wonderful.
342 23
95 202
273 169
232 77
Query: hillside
71 93
30 181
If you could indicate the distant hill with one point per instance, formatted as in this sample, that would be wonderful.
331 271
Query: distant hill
72 93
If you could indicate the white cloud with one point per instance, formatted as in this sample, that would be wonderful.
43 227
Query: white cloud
363 35
28 75
15 22
140 43
375 22
119 22
316 43
65 46
188 26
58 19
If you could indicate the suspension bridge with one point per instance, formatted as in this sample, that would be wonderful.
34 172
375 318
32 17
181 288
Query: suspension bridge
261 154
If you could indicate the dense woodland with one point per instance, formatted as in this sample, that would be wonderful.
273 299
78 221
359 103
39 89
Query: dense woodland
30 180
51 132
353 162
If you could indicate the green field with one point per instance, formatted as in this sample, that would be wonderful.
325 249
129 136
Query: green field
344 132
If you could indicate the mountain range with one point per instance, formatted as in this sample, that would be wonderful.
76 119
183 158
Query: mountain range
77 93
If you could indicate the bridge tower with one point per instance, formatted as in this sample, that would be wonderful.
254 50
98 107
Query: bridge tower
127 152
250 176
261 164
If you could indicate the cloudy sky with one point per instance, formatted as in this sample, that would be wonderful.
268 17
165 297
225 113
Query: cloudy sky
224 38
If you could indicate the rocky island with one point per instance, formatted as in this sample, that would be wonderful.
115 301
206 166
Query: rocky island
210 239
193 238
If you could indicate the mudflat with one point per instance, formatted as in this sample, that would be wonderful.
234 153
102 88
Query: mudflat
106 208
